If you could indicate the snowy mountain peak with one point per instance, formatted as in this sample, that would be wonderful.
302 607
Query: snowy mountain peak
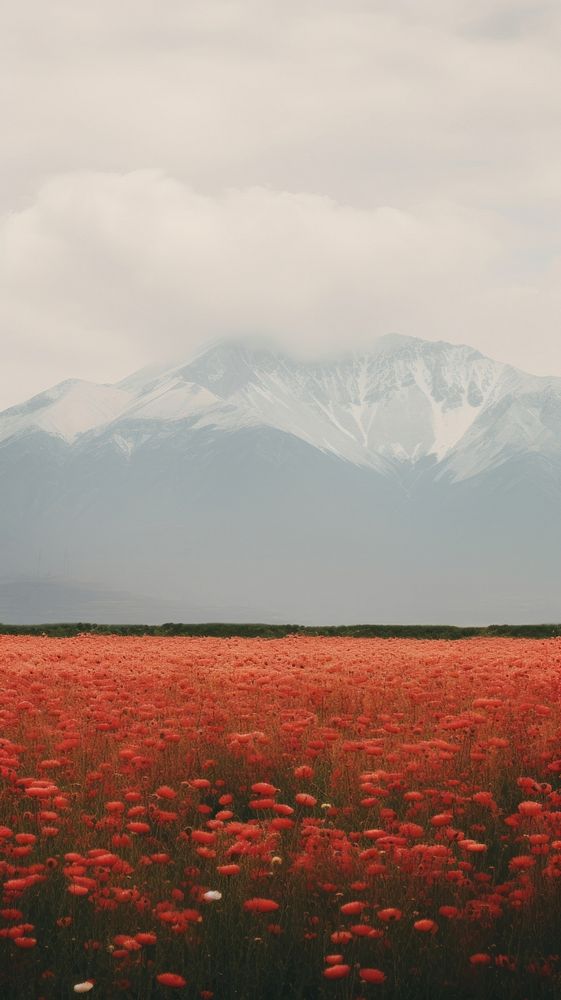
66 410
402 400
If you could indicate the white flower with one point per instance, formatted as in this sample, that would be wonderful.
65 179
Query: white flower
212 896
83 987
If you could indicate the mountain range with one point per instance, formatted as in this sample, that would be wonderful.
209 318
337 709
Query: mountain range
415 481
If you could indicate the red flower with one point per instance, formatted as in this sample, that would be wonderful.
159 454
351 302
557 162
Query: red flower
426 926
337 971
372 976
171 979
258 905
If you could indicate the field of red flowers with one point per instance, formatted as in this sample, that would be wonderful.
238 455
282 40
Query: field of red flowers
275 819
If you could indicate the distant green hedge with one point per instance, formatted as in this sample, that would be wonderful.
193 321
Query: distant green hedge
264 631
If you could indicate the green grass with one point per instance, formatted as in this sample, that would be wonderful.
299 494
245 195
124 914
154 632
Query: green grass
267 631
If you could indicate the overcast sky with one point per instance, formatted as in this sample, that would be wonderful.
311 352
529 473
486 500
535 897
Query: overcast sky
325 171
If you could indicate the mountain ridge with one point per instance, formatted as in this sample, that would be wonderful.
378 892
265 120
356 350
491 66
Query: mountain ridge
419 483
402 401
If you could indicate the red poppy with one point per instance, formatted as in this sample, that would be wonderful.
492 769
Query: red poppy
259 905
372 976
337 971
171 979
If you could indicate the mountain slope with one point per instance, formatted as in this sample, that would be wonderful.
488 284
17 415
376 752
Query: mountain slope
401 402
420 481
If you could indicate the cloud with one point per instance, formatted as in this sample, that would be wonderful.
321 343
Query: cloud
371 103
112 270
321 169
140 264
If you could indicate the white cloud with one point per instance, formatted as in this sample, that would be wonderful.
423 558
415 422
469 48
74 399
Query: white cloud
116 264
328 169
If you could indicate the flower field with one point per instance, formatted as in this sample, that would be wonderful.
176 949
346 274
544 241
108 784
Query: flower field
297 818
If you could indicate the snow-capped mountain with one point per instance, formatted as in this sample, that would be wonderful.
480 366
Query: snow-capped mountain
415 481
404 400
